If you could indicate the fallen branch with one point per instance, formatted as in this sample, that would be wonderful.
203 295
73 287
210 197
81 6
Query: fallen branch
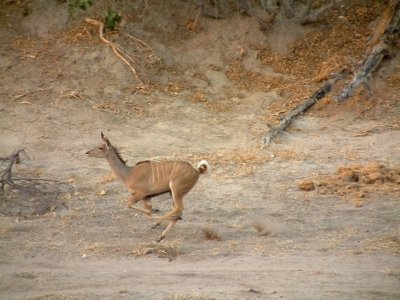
116 49
371 63
218 11
37 185
6 177
388 25
301 108
312 16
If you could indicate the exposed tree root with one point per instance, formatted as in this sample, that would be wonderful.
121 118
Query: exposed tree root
119 52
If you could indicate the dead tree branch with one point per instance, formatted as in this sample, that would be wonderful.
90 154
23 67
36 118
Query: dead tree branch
388 25
216 10
33 185
371 63
27 196
301 108
6 177
311 16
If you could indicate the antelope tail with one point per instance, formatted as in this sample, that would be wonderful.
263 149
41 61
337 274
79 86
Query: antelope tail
203 166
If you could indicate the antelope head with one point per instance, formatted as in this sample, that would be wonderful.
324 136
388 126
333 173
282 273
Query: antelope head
101 151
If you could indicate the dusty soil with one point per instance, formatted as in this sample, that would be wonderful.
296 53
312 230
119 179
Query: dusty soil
313 216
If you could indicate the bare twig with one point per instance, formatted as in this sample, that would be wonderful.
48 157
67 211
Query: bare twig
141 42
19 96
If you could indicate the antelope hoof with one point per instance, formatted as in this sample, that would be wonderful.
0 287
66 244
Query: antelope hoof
155 210
160 238
155 226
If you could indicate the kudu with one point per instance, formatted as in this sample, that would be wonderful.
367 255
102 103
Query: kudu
148 179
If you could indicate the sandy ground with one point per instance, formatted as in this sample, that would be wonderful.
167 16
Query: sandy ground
60 87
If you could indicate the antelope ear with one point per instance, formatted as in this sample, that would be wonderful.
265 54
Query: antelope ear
105 140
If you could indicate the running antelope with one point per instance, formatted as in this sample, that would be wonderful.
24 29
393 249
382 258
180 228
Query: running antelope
148 179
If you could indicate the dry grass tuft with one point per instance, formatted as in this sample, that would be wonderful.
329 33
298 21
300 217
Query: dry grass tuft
211 234
306 185
101 249
216 106
287 154
162 250
242 161
239 162
389 243
81 33
232 163
110 177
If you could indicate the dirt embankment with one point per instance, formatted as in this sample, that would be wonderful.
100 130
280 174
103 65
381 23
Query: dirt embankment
314 215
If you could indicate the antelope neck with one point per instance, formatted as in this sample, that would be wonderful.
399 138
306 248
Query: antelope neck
119 168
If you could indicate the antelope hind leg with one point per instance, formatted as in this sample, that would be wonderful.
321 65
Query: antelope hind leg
174 215
176 212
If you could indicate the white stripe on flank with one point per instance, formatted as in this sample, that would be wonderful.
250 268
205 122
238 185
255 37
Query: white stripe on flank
161 170
158 172
152 173
172 171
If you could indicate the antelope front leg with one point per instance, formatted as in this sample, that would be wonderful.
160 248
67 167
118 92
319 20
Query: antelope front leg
135 198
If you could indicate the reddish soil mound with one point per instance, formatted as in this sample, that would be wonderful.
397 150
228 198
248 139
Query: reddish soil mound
356 182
